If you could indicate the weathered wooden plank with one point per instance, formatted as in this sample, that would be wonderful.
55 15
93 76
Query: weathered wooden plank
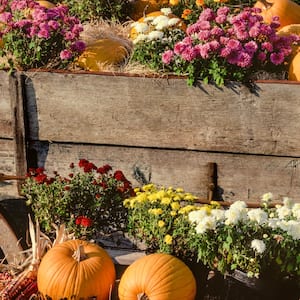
16 83
240 177
8 166
5 109
157 112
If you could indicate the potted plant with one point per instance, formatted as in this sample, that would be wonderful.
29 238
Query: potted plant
89 200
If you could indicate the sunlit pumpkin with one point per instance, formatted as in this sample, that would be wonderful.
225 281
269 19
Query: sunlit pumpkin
157 276
294 63
104 52
76 269
142 7
46 4
287 10
133 32
294 68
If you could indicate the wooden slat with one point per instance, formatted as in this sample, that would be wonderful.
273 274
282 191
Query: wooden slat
8 166
16 95
156 112
240 177
5 109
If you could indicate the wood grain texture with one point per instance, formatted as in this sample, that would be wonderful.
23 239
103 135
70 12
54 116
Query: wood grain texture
8 166
164 113
5 107
240 176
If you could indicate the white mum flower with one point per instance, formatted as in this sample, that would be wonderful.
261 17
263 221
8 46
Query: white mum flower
236 212
207 223
296 211
140 38
258 245
258 215
173 22
141 27
218 214
292 228
166 10
283 211
197 216
155 35
267 197
161 22
288 202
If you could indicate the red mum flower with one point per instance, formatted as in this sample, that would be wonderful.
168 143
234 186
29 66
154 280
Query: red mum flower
104 169
41 178
78 220
86 222
82 163
119 175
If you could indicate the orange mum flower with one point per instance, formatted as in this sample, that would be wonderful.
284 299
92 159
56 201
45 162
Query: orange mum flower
185 13
200 2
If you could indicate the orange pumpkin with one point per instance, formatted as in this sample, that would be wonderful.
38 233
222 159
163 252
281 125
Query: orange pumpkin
103 52
287 10
294 68
46 4
76 269
142 7
157 276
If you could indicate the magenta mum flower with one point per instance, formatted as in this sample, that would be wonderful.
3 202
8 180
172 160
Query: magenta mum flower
167 57
65 54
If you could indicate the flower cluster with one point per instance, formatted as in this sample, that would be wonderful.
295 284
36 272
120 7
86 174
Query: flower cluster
157 216
34 36
190 10
257 241
224 46
88 201
154 35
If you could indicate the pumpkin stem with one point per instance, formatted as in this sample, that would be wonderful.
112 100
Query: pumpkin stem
142 296
79 254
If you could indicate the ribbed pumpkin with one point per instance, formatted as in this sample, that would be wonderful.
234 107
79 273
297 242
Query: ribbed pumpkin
157 276
181 25
76 269
142 7
287 10
103 52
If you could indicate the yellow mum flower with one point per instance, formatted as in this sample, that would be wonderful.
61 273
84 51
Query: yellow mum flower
126 202
148 187
179 190
141 197
155 211
168 239
175 205
165 200
189 196
186 209
173 2
153 197
161 223
173 213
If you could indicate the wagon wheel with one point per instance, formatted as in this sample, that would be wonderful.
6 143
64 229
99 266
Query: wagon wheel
10 245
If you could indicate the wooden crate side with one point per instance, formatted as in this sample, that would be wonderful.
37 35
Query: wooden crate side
156 112
6 130
240 177
8 166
